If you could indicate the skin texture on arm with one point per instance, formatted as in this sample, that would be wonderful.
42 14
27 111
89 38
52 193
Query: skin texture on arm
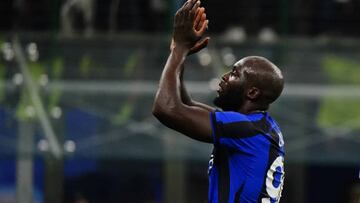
169 108
185 97
200 19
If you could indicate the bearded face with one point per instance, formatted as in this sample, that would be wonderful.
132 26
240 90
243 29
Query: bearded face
231 92
253 79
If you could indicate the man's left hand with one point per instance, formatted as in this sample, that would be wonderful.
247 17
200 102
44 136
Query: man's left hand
189 26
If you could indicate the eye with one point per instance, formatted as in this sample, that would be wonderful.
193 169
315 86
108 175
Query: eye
233 73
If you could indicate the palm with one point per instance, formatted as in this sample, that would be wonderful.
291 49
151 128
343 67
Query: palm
199 26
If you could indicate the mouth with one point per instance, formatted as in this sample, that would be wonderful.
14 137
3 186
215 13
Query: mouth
220 87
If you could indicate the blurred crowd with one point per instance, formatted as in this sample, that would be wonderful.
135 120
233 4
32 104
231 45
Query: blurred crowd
297 17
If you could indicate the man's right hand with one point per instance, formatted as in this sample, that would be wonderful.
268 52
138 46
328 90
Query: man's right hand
199 22
189 26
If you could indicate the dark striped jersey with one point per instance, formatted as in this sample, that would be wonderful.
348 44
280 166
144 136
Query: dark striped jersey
247 163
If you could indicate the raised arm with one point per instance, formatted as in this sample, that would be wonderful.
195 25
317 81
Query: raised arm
199 21
169 108
185 97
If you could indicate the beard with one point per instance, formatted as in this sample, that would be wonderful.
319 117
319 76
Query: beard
229 101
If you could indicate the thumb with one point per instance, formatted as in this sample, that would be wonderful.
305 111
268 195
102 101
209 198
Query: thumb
199 45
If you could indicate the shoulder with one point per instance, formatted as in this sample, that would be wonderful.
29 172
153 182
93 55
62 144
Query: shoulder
234 117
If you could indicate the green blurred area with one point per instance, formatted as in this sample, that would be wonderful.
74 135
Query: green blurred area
25 109
337 112
98 68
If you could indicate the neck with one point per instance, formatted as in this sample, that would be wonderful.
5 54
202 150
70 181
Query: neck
249 107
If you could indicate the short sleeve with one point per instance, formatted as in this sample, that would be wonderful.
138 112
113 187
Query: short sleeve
231 129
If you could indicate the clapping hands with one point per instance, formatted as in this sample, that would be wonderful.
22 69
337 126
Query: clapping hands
190 25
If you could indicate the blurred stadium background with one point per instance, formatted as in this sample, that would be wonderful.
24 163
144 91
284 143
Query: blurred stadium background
77 80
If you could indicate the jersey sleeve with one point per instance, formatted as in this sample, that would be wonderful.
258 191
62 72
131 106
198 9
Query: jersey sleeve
231 129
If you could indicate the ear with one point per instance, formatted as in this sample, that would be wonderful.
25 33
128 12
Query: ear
253 93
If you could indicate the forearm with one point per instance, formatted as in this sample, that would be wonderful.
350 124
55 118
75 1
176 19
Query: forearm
168 95
185 97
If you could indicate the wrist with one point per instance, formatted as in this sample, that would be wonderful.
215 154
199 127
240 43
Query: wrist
183 49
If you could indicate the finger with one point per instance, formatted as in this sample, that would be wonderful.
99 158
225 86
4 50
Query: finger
197 21
183 11
193 10
180 10
203 43
193 3
185 4
202 21
203 16
202 29
199 45
189 5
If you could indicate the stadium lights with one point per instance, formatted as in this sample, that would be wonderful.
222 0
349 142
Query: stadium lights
267 35
214 84
204 58
228 56
18 79
7 51
32 51
56 112
37 103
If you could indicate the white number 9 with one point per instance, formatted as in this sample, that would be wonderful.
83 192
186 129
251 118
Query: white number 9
275 181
